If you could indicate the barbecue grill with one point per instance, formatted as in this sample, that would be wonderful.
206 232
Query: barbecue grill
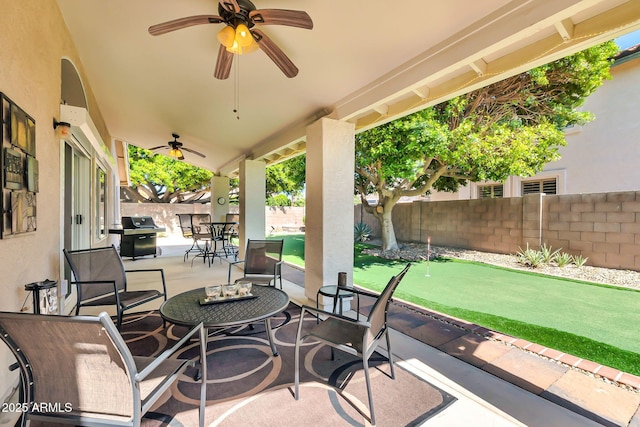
137 236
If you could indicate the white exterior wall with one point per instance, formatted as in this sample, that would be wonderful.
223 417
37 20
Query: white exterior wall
604 154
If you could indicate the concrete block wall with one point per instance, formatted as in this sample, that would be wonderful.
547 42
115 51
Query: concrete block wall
493 225
605 227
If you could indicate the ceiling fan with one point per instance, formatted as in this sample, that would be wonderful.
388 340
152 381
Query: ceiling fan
240 35
175 148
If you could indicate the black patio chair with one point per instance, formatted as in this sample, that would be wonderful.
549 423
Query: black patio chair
192 227
101 280
262 263
353 336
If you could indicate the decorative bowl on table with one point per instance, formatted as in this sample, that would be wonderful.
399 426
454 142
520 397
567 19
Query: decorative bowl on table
213 292
244 288
230 290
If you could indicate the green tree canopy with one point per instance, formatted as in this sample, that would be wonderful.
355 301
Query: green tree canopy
286 178
158 178
512 127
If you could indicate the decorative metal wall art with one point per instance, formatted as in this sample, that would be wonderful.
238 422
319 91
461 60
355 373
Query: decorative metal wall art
19 169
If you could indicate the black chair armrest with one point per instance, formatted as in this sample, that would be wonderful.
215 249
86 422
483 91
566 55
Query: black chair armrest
342 318
230 264
277 268
358 291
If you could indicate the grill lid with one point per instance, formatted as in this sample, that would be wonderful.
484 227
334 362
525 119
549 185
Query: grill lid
129 222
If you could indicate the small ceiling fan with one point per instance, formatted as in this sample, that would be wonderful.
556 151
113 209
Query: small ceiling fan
175 148
240 35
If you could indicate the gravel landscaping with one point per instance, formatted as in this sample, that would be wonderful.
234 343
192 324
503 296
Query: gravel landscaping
418 252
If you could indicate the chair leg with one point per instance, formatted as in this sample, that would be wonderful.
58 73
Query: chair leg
119 324
365 365
393 373
296 356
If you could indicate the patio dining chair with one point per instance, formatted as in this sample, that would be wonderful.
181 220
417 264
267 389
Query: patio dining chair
230 235
356 337
78 370
192 227
262 263
101 280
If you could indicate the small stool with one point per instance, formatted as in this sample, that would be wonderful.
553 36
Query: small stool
330 291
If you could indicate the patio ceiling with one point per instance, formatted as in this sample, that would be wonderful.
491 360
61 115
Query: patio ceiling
363 62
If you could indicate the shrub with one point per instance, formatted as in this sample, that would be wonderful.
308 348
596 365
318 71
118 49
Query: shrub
361 232
548 254
530 257
278 200
579 260
563 259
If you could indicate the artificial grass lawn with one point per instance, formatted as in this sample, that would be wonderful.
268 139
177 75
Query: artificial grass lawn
590 321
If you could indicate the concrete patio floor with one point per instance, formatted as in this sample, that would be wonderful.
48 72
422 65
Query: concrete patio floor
495 383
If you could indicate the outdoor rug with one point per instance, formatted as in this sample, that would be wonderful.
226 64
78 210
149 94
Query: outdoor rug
248 386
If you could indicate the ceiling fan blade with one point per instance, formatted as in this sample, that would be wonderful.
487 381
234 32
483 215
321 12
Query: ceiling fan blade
157 148
275 53
223 64
193 151
230 5
291 18
177 24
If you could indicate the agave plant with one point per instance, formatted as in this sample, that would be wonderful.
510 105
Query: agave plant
563 259
548 254
579 260
530 257
361 232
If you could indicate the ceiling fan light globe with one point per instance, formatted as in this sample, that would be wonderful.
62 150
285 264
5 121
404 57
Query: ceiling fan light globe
227 36
235 48
243 36
252 47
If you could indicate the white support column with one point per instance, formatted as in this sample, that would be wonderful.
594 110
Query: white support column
329 201
219 198
252 202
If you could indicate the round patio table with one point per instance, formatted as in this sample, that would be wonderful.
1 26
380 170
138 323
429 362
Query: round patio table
185 309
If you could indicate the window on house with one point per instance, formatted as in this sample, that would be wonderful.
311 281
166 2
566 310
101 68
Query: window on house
547 186
491 191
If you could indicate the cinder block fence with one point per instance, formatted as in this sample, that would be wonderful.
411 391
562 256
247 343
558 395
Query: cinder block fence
604 227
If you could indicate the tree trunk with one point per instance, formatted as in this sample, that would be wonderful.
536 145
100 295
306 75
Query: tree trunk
389 241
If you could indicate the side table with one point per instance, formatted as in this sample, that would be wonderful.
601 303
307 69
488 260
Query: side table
35 288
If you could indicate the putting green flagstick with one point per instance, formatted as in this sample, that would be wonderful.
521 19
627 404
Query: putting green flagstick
428 255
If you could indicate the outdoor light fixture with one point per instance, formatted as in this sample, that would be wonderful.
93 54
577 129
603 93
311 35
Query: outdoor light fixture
63 129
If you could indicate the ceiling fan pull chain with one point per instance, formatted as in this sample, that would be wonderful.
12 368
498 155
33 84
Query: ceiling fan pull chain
236 88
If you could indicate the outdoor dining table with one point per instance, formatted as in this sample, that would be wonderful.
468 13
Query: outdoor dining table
217 230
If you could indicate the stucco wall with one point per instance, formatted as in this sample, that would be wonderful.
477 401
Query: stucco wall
33 41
